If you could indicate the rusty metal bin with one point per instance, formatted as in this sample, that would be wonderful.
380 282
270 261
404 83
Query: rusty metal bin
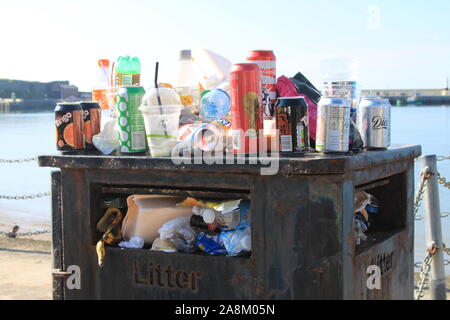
302 219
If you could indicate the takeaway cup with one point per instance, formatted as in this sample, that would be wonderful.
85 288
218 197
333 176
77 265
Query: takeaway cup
161 128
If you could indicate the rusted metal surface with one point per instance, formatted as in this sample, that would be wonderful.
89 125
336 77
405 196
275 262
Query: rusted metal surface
57 245
302 228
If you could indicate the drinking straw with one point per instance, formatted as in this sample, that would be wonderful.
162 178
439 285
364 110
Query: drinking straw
159 98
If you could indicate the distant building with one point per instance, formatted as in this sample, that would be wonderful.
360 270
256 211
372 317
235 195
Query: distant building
37 90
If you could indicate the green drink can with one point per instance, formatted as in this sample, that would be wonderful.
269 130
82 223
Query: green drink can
131 123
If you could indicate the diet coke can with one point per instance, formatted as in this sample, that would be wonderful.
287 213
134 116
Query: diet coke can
374 122
246 111
333 125
267 62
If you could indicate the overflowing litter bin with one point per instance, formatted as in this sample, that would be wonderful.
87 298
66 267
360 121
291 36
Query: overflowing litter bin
303 239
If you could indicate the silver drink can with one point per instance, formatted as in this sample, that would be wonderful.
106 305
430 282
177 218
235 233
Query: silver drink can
333 125
374 122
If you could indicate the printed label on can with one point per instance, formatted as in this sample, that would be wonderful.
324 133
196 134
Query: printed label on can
300 136
131 123
69 130
91 119
286 143
333 127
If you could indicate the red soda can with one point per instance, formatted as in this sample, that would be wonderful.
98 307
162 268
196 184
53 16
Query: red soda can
246 111
267 62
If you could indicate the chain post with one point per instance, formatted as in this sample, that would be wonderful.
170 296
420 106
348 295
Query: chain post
433 230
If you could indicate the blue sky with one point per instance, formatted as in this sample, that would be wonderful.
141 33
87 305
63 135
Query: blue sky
400 44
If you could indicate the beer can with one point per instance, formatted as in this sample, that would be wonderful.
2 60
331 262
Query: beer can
333 125
374 122
267 62
69 126
131 123
291 114
246 111
91 121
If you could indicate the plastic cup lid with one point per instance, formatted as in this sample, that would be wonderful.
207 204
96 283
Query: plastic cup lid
209 216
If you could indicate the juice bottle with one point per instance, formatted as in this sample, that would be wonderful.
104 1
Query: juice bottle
127 72
102 85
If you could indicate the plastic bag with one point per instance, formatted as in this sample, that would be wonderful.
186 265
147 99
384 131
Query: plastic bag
134 243
163 245
356 143
286 88
237 242
108 139
180 233
211 244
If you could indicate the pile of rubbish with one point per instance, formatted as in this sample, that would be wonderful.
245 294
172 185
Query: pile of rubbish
366 208
171 224
214 105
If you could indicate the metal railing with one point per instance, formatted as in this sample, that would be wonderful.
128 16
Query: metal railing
13 233
434 262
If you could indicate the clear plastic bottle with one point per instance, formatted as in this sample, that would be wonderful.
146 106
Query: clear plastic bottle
186 83
340 79
215 104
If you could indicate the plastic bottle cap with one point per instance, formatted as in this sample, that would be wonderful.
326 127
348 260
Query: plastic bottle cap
103 63
209 216
185 54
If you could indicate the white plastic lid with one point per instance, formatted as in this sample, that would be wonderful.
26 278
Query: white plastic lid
209 216
167 96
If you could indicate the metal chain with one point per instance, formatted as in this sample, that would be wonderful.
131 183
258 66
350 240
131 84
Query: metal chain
25 197
442 158
443 181
445 249
425 174
24 234
425 270
18 160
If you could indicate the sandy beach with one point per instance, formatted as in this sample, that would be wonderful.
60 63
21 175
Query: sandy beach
26 269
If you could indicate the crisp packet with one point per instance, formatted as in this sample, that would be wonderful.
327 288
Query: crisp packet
211 244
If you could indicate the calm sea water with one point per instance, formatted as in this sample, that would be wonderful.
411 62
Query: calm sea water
26 135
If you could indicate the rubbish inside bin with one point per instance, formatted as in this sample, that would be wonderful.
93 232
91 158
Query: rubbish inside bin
148 213
366 207
237 242
163 245
179 232
211 244
199 225
109 225
228 215
174 224
134 243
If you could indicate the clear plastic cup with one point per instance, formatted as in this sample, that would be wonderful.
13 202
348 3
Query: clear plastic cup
161 128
